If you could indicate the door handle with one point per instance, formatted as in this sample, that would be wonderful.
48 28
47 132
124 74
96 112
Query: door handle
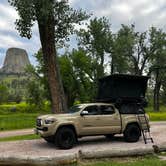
97 118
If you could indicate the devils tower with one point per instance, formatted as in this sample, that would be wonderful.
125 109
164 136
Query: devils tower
15 61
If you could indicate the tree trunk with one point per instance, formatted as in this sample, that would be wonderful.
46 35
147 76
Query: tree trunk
47 34
156 104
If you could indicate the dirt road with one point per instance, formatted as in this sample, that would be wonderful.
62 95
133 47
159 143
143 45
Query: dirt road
4 134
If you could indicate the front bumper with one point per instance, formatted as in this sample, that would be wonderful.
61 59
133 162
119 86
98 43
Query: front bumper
43 132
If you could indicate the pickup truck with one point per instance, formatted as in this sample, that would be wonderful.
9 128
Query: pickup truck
89 119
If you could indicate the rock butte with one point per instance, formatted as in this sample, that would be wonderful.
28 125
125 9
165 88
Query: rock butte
15 61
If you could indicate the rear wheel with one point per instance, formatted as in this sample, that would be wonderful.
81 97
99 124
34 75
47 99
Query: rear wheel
65 138
132 133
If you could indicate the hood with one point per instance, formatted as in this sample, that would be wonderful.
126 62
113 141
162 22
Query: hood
56 116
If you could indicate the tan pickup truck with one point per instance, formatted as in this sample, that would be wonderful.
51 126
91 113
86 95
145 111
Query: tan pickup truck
88 120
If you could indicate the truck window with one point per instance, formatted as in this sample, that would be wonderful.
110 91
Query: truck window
92 110
106 110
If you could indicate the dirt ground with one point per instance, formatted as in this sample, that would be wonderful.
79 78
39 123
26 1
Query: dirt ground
41 148
4 134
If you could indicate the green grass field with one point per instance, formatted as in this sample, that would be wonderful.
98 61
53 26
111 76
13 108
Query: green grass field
156 116
135 161
159 116
19 116
17 121
18 138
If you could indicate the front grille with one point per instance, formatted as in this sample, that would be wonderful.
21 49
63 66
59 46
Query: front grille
38 122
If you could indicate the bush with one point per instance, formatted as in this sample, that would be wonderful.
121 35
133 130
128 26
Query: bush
23 108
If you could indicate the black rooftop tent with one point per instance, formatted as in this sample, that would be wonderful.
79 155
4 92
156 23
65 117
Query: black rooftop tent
122 87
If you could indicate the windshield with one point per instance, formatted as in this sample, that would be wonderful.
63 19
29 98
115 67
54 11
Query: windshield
75 108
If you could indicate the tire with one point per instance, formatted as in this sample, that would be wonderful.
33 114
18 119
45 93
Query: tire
65 138
132 133
109 136
49 139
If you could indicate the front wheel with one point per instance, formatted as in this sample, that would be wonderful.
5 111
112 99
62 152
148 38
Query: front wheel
132 133
65 138
49 139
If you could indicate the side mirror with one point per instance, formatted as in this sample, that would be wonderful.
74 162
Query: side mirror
84 113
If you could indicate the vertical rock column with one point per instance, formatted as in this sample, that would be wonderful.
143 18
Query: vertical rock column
15 61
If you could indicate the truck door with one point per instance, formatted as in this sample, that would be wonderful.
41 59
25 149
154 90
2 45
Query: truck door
89 122
109 120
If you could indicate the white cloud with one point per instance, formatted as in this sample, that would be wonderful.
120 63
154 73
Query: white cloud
7 16
144 13
7 41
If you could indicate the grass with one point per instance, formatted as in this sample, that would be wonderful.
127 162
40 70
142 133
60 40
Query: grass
135 161
22 107
157 116
22 137
19 116
18 121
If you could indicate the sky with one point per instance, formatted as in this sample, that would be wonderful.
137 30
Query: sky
143 13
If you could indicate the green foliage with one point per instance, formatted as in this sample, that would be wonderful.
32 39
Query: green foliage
64 17
37 86
3 93
23 107
77 76
122 49
158 59
35 93
16 87
96 40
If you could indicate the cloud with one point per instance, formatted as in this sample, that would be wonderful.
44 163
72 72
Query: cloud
7 16
144 13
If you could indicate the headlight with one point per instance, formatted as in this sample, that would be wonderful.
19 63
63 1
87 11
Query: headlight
49 121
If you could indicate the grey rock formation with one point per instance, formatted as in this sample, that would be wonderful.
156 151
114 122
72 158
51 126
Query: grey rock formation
15 61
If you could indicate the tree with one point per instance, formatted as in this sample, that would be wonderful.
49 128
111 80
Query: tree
158 59
122 50
132 50
96 41
141 52
55 21
83 69
35 93
76 68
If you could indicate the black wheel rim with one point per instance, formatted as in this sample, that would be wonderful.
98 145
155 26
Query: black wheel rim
67 139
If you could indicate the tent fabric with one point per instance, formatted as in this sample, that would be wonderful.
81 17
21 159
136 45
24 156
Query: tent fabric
122 87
